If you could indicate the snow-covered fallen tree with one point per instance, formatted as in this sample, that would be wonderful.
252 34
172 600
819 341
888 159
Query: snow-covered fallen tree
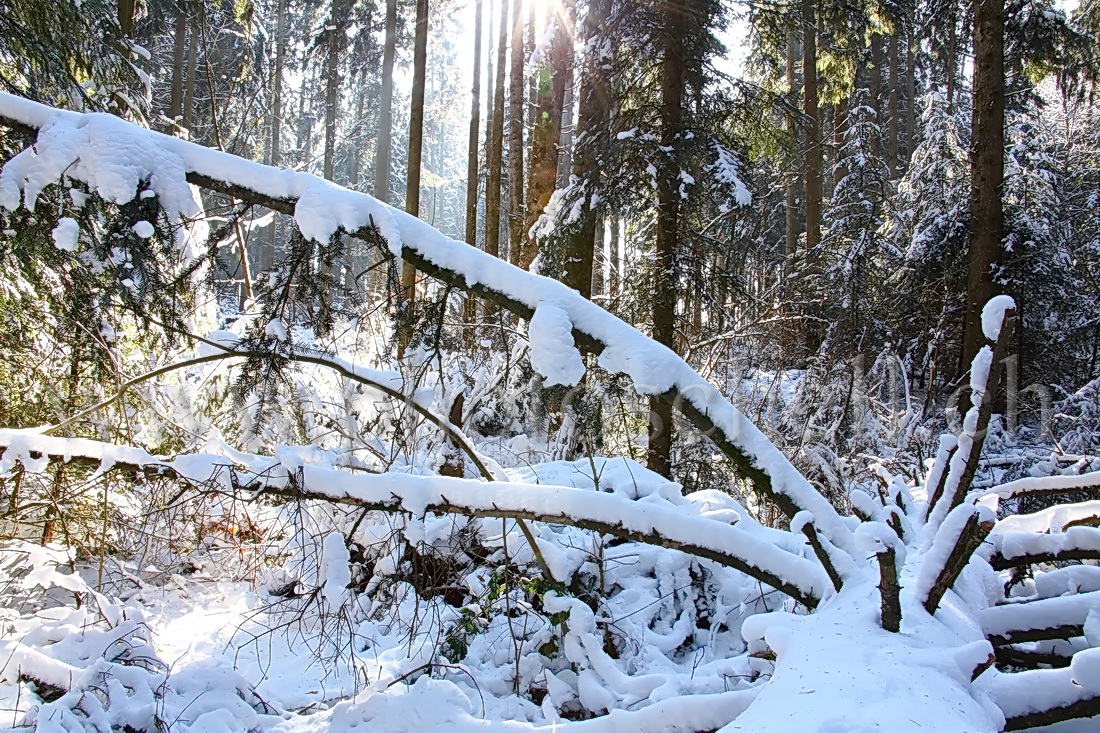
907 597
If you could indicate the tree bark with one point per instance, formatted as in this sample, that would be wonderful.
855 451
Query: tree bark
594 117
126 9
546 133
385 107
175 105
892 107
416 137
496 144
986 169
791 187
813 129
565 140
668 223
517 102
332 85
910 89
192 66
839 118
475 132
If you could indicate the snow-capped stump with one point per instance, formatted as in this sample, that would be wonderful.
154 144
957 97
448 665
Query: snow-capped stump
553 353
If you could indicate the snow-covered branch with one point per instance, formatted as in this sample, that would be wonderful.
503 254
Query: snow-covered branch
985 373
1048 618
73 144
605 513
960 534
1048 696
1013 549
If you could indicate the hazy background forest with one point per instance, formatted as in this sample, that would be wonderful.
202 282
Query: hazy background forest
859 244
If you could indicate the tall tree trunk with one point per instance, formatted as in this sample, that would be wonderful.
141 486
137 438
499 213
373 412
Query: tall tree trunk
175 105
496 143
791 185
546 134
470 303
594 116
126 9
813 128
951 63
892 126
986 168
658 456
614 260
385 107
332 85
266 259
565 139
416 135
839 118
475 131
274 151
517 102
910 89
192 71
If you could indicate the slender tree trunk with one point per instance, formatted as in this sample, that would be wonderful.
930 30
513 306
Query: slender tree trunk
910 90
892 126
416 135
385 107
469 309
175 105
594 117
332 86
952 54
565 140
192 66
813 128
614 284
839 118
126 9
266 259
791 186
274 152
517 99
475 131
496 144
546 134
986 168
668 222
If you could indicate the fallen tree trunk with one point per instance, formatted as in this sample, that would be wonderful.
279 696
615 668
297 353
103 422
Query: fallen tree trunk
601 512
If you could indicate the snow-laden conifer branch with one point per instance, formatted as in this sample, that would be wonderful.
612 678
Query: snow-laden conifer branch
605 513
322 208
1048 618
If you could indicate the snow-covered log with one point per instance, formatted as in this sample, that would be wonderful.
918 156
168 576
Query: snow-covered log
72 144
1013 549
1047 696
1049 618
606 513
1038 485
